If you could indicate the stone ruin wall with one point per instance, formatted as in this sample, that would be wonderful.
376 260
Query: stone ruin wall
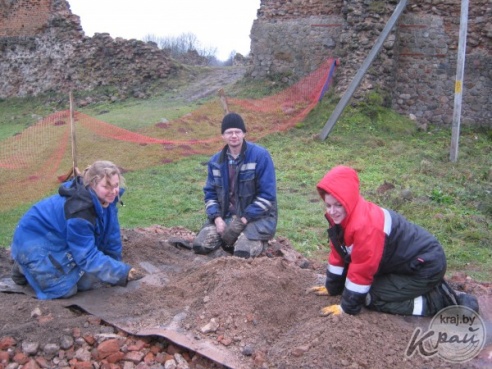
416 68
43 48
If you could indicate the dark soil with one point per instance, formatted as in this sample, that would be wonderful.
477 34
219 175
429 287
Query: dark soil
257 310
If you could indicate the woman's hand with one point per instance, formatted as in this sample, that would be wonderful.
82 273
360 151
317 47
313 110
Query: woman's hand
135 274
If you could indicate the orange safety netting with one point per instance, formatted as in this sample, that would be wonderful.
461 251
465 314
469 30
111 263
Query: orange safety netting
34 162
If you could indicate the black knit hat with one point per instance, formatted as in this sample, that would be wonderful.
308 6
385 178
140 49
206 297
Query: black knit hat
233 120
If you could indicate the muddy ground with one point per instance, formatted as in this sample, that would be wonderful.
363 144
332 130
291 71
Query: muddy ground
255 310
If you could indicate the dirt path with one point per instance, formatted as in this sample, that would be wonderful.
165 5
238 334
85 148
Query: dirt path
206 82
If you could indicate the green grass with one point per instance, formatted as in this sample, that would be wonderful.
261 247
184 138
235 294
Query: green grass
17 114
452 200
170 195
134 114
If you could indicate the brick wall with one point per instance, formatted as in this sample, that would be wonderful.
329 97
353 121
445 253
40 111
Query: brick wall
23 17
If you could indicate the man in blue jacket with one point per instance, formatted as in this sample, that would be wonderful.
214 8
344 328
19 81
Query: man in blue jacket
240 195
69 241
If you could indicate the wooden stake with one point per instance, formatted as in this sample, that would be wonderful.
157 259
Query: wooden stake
223 100
74 142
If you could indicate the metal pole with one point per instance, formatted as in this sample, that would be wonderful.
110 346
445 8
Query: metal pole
362 70
458 86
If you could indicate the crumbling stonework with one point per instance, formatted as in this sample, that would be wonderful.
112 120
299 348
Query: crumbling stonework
43 48
49 52
416 68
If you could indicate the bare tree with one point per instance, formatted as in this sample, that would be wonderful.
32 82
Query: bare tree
182 44
230 59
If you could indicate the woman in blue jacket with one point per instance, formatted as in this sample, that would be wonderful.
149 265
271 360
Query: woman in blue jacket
67 242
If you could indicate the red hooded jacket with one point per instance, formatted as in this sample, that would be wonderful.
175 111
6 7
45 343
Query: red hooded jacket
378 241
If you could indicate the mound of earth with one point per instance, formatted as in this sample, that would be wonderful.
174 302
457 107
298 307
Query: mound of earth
257 310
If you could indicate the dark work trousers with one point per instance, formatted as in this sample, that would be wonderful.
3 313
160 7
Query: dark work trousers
403 294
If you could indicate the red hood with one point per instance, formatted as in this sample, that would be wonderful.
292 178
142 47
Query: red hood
343 184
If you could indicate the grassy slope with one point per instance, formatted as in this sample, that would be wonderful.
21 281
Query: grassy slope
452 200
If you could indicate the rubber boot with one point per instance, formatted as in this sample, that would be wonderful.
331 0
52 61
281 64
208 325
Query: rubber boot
17 275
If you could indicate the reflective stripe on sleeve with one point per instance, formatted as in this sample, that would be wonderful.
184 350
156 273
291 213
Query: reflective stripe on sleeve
354 287
335 269
210 203
263 203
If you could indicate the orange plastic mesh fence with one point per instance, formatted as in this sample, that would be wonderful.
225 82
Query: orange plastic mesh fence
33 163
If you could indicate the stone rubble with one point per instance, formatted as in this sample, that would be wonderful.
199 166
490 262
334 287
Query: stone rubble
111 348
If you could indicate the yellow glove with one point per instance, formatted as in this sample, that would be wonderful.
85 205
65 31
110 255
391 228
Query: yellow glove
319 290
332 310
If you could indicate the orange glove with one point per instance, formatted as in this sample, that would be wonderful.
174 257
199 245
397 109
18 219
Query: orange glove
319 290
332 310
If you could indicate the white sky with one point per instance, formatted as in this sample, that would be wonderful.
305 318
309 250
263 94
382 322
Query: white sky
221 24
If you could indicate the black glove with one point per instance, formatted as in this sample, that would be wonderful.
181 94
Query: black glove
232 232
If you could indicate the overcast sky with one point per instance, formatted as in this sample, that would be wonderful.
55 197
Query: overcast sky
221 24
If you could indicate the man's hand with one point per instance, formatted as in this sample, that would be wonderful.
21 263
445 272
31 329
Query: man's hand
332 310
319 290
220 225
135 274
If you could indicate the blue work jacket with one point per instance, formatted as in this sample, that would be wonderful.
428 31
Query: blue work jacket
66 235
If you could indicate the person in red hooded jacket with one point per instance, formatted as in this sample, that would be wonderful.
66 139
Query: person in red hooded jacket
378 258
